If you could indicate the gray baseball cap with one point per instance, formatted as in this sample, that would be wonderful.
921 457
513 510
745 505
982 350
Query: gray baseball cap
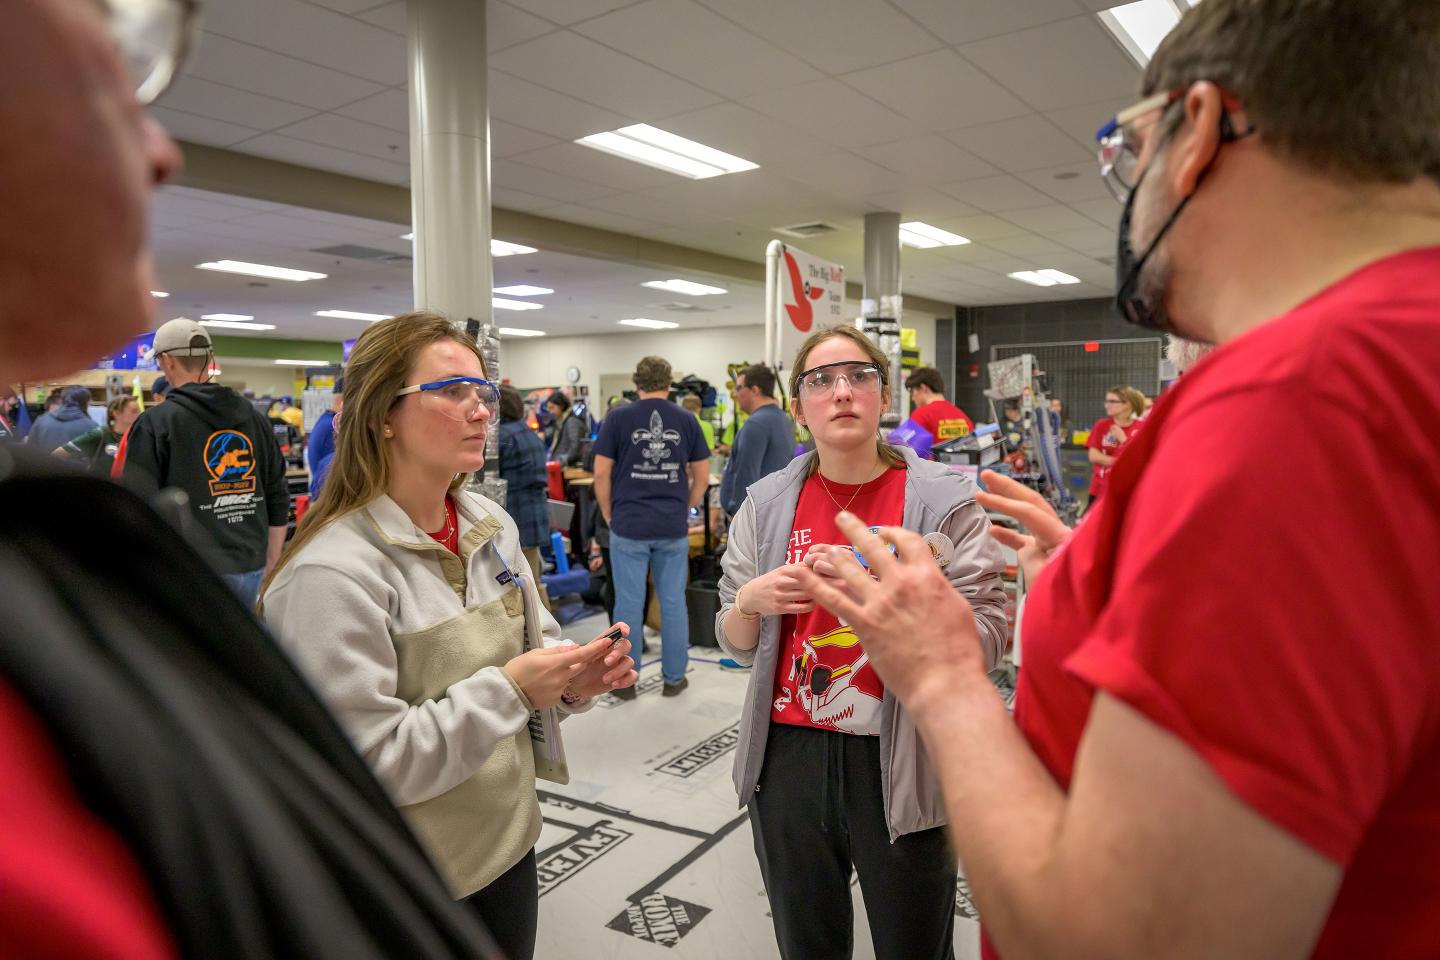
182 337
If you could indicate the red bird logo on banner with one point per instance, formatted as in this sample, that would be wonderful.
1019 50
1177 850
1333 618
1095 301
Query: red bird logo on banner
802 315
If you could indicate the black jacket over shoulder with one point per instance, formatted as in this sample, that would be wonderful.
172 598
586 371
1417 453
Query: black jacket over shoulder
184 728
209 441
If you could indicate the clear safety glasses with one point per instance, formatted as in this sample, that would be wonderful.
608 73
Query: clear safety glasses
154 37
1119 143
817 383
459 398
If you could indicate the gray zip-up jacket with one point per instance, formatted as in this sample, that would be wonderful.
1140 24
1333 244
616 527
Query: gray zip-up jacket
936 501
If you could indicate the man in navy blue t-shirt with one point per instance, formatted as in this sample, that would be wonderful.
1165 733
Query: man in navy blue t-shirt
651 467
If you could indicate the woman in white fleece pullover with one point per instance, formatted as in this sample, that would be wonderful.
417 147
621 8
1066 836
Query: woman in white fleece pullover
406 602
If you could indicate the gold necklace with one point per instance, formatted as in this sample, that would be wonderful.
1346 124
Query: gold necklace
824 487
444 537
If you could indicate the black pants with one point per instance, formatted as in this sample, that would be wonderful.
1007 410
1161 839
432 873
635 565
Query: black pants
819 811
510 908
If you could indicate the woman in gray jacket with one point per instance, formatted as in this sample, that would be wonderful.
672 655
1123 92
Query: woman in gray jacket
831 767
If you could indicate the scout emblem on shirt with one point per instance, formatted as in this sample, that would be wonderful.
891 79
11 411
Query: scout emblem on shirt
655 439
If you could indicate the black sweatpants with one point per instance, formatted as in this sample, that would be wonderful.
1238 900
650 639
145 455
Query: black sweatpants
818 812
510 908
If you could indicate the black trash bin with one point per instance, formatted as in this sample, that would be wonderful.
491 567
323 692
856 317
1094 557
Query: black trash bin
703 599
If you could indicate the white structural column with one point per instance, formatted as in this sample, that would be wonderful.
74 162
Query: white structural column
882 308
450 158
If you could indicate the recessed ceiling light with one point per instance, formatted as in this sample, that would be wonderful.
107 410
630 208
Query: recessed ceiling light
666 151
648 324
303 363
498 248
352 315
688 287
218 320
1043 278
520 332
500 303
1140 26
160 294
260 270
916 233
523 290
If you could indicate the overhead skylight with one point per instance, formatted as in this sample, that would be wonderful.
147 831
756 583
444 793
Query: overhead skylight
649 324
1140 26
688 287
1044 278
916 233
666 151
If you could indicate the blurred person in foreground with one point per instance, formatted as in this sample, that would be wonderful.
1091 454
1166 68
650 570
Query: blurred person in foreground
1226 741
172 786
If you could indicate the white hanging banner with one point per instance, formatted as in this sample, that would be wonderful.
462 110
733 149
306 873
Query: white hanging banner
804 294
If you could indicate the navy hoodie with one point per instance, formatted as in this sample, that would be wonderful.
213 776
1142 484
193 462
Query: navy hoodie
210 442
54 430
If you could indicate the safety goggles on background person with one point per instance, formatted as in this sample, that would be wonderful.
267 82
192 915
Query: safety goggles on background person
1120 140
154 37
817 383
458 398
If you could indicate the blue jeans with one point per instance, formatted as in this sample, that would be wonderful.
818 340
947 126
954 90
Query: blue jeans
246 585
669 560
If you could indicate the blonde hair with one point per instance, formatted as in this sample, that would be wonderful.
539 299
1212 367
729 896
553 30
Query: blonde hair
1132 398
360 470
691 402
890 456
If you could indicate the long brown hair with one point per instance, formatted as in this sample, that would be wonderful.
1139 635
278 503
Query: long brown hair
888 454
360 470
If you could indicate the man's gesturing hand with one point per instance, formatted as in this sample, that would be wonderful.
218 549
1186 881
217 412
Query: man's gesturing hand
1047 531
920 634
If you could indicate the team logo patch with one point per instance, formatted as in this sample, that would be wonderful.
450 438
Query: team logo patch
942 548
230 462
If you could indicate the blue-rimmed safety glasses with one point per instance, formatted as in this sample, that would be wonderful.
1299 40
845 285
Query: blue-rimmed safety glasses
1119 143
459 398
817 383
154 38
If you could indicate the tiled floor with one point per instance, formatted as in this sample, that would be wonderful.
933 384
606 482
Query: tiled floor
645 854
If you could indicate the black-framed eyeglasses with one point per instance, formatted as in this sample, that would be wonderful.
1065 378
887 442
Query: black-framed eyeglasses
819 382
155 37
458 398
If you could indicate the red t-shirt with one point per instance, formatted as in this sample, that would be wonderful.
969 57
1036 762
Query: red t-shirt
1269 596
448 536
69 888
117 468
1101 440
824 678
943 420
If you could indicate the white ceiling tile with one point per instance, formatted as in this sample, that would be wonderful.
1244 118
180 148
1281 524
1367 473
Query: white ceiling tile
1094 241
832 35
212 133
247 67
975 19
389 109
544 183
997 194
392 17
1058 65
980 227
1071 183
206 99
506 139
294 223
642 207
313 34
1083 122
349 7
519 200
572 11
841 172
755 193
225 199
928 160
746 133
689 41
306 154
1104 212
583 163
536 108
1022 143
1028 245
200 206
1046 219
587 70
833 112
356 136
506 25
919 203
604 219
939 90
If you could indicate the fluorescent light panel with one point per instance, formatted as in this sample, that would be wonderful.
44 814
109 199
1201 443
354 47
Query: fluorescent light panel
523 290
498 248
1140 26
352 315
233 321
666 151
520 332
159 294
1043 278
919 234
649 324
500 303
303 363
260 270
688 287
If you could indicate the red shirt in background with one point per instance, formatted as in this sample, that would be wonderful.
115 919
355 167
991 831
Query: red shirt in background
823 677
943 420
1101 440
1275 607
69 889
